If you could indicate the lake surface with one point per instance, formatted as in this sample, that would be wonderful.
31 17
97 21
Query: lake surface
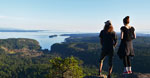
41 36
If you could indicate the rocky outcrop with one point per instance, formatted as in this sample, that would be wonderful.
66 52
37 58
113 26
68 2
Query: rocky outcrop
140 75
135 75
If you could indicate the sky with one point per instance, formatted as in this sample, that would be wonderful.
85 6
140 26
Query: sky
73 15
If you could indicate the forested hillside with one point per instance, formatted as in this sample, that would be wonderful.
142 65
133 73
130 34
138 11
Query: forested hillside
22 58
77 57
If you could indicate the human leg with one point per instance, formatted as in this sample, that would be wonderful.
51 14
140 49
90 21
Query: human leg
110 59
129 65
128 61
125 62
102 57
110 64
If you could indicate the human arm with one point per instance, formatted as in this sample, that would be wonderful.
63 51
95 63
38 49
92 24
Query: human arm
100 38
121 34
115 40
134 34
100 41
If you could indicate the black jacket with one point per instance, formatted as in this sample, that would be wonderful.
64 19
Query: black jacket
108 40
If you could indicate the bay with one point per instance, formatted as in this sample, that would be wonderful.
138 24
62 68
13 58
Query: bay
41 36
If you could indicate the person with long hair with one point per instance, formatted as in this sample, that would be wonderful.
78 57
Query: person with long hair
125 50
108 41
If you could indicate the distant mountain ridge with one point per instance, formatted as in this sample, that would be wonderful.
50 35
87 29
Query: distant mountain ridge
15 30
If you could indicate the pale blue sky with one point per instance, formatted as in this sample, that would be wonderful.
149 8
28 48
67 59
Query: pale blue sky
73 15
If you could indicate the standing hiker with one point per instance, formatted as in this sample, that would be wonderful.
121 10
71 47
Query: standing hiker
108 41
126 47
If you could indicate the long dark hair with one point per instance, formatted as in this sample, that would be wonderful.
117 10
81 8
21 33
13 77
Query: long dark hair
108 28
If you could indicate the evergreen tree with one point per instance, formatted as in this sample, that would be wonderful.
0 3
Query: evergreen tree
65 68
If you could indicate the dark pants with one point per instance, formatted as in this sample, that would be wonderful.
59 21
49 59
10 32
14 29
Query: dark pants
110 58
126 61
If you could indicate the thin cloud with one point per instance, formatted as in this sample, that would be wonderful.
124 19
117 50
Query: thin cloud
3 16
11 18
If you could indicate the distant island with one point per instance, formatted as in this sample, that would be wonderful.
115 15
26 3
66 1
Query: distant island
51 36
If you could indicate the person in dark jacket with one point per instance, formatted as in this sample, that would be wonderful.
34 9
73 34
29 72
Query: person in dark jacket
126 47
108 41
